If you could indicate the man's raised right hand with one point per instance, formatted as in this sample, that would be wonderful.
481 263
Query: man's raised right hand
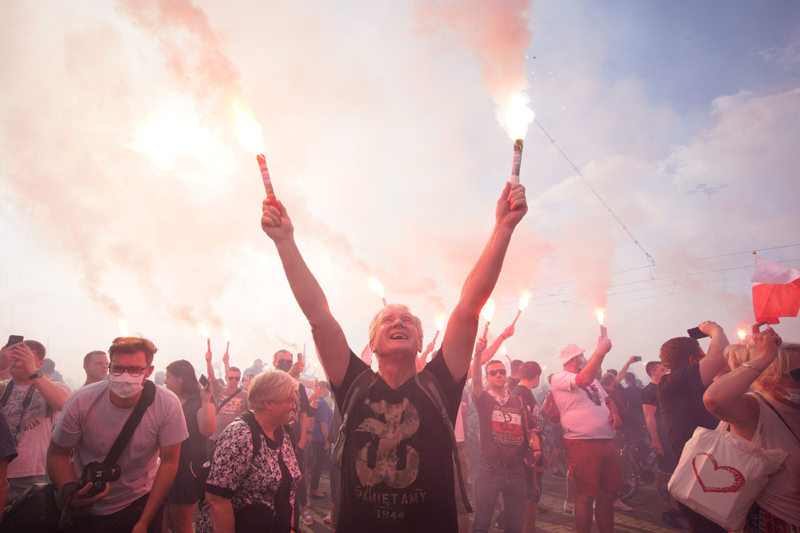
275 222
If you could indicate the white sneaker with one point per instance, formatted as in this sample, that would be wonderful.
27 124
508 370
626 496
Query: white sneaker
328 519
569 508
621 506
306 518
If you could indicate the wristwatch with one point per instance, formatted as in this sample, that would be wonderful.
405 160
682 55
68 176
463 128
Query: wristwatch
36 374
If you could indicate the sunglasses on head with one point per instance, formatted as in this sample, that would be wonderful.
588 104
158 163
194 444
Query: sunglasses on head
794 374
493 373
233 378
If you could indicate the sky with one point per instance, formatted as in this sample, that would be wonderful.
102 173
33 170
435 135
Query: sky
126 195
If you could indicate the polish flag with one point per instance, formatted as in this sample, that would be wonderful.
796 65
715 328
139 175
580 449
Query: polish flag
776 292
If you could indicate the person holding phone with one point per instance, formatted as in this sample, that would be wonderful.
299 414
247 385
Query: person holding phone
199 412
31 403
680 394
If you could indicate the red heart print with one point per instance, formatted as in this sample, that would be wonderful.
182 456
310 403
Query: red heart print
738 478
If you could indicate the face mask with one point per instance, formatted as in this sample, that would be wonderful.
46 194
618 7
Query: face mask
125 386
584 362
794 396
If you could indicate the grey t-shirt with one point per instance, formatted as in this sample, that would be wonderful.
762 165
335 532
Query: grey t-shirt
91 423
236 406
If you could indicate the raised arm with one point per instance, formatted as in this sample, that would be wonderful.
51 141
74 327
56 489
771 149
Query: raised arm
477 381
726 397
328 335
463 323
713 362
216 388
54 395
589 372
624 370
492 349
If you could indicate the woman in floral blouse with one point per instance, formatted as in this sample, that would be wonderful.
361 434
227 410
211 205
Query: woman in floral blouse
237 482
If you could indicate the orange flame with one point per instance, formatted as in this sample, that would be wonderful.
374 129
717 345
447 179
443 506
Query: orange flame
203 331
742 334
228 334
488 310
524 299
503 350
123 328
600 313
248 131
377 286
439 323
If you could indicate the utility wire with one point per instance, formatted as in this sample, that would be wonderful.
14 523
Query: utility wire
650 260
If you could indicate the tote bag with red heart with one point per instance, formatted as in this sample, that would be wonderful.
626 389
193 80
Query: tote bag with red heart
720 474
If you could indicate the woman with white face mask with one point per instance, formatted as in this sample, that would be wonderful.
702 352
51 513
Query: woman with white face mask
764 383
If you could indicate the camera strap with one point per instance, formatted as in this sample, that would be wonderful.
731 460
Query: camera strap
147 397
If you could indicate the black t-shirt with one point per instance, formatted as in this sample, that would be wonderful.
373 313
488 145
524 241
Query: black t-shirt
397 465
680 394
632 396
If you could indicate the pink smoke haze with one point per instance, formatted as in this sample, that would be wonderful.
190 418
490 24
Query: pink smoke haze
124 192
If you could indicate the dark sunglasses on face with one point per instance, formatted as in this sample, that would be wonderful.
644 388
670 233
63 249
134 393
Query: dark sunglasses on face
794 374
493 373
233 378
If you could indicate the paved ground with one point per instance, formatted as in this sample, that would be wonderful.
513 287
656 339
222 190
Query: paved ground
646 514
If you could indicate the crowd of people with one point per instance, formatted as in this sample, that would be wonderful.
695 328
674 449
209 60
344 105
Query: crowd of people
231 453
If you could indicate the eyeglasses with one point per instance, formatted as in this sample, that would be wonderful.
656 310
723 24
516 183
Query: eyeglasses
280 361
134 371
493 373
794 374
233 378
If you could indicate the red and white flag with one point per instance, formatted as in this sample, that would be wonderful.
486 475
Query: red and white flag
776 292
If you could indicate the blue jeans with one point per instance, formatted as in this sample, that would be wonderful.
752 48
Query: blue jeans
493 479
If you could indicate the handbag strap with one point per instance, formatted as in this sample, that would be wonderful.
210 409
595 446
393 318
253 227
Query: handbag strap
779 415
147 397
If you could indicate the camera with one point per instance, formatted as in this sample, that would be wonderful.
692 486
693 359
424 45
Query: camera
637 358
97 475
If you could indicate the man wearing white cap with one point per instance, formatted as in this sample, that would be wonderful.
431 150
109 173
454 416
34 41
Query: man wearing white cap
589 420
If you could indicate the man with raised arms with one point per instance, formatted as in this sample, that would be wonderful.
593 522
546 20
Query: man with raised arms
397 466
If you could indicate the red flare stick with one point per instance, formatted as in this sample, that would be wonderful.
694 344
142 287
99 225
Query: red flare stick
262 164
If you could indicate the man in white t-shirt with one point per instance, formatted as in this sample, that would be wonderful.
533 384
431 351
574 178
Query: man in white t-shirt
589 419
92 420
31 403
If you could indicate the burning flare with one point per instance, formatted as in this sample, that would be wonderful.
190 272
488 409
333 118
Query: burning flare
515 115
524 299
123 328
227 334
377 286
248 131
488 310
600 314
742 334
439 323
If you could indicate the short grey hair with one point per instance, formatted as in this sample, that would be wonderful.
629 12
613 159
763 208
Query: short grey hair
272 386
